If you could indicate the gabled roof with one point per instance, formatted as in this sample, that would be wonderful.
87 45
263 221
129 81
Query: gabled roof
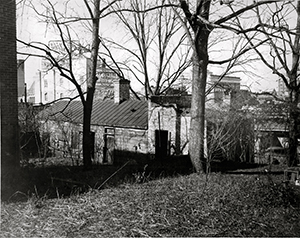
128 114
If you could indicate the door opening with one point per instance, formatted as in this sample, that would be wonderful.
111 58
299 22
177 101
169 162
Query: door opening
161 144
109 145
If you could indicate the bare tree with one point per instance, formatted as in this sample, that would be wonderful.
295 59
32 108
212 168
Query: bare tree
199 29
157 47
279 27
55 16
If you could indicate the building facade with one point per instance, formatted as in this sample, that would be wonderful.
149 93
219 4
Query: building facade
49 85
221 89
282 89
21 80
118 125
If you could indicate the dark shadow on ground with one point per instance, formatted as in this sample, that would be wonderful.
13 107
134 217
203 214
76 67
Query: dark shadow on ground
52 181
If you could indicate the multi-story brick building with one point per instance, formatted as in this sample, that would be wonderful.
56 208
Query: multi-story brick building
8 89
49 85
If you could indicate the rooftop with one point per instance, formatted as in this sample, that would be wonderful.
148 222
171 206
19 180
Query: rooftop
128 114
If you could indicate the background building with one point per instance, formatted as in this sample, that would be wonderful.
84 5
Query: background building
221 91
282 89
21 80
48 85
105 83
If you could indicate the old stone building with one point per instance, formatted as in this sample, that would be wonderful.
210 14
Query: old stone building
137 128
156 128
117 125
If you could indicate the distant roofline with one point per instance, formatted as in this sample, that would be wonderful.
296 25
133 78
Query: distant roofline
226 78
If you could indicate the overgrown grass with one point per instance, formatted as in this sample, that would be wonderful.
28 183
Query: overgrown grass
183 206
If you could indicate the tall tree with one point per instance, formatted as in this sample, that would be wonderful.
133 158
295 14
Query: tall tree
58 17
155 43
279 27
199 31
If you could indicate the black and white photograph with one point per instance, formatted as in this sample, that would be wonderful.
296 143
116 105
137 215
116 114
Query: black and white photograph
150 118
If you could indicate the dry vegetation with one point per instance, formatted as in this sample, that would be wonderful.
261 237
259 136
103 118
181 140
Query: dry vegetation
191 205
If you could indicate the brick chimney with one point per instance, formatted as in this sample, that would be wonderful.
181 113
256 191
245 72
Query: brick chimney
121 90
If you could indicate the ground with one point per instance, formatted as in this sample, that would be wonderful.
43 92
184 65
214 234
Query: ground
240 202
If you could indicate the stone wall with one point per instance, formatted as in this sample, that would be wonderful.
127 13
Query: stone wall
64 134
170 114
131 140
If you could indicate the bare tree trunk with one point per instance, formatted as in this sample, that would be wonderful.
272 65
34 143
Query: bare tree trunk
91 82
294 95
197 131
201 32
87 146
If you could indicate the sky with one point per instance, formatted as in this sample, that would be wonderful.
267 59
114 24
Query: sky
30 29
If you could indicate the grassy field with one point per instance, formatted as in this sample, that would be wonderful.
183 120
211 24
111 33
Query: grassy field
244 203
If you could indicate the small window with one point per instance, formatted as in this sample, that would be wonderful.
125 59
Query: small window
109 131
46 97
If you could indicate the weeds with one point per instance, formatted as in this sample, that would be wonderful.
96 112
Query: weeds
142 177
194 205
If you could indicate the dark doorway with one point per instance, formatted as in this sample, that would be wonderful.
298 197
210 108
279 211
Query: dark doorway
109 145
161 144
